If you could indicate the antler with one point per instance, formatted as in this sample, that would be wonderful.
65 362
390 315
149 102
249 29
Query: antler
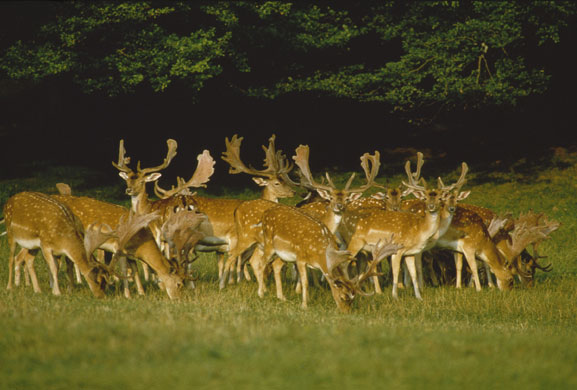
204 170
181 231
413 178
383 248
371 172
128 226
458 184
121 165
96 235
369 163
275 162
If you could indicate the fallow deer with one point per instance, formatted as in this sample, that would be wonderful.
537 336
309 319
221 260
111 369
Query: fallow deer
220 212
364 227
141 246
296 237
36 221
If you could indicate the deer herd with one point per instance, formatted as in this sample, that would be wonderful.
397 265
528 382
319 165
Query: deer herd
337 236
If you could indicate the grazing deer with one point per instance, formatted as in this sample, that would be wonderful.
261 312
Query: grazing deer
364 227
220 212
504 233
170 199
36 221
141 246
296 237
248 215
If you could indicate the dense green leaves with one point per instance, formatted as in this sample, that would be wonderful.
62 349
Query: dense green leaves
410 56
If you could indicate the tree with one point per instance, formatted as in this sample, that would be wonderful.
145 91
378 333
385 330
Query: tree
413 57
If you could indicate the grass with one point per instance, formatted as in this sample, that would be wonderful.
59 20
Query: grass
212 339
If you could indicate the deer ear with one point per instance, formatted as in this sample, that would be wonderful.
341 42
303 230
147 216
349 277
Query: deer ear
463 195
324 194
354 196
379 196
123 175
152 177
260 181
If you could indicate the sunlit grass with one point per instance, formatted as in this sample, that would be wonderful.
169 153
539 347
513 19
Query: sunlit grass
525 338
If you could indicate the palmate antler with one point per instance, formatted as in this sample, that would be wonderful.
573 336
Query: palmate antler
275 162
383 248
123 160
181 232
204 170
370 164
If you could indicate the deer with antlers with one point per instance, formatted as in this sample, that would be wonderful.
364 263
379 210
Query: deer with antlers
36 221
170 199
249 214
296 237
364 227
136 244
220 212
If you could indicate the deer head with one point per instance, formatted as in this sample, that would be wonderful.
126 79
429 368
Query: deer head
136 181
274 177
338 198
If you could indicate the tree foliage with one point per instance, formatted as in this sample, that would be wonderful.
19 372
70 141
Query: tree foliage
409 55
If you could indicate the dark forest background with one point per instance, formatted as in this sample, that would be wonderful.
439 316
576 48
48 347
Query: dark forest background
53 120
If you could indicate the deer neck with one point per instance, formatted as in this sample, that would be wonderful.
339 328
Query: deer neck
140 203
267 194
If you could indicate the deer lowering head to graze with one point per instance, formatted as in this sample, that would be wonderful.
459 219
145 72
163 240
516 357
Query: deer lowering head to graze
296 237
141 246
36 221
220 212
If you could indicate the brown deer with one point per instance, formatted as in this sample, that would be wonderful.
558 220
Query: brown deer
141 246
220 212
294 236
36 221
364 227
248 215
171 199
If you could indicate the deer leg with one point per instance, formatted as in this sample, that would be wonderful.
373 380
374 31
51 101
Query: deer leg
277 266
395 266
302 267
136 276
123 264
18 261
410 261
458 256
489 274
32 273
258 266
472 263
47 253
11 264
419 265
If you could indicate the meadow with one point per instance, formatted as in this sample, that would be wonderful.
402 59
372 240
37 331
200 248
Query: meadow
231 339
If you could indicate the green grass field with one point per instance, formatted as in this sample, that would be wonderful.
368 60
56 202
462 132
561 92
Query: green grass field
231 339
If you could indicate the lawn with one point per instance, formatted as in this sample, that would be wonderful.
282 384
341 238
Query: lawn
524 338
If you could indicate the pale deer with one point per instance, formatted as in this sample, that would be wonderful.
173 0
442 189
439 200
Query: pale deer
141 246
296 237
36 221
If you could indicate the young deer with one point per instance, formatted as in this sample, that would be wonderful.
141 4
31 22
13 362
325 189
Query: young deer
296 237
37 221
